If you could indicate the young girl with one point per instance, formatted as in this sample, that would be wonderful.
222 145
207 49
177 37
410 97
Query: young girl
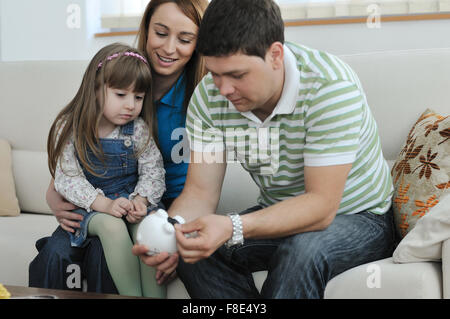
168 30
104 160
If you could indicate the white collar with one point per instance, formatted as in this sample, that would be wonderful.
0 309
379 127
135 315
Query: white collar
286 103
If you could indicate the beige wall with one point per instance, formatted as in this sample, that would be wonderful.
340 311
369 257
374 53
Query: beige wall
37 30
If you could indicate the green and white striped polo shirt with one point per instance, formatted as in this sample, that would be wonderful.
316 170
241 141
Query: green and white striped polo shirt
321 119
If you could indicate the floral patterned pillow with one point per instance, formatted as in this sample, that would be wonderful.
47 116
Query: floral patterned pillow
421 173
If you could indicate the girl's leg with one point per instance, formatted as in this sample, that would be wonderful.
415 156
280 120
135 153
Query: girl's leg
150 287
117 244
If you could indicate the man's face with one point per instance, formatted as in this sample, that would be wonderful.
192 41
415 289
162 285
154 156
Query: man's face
248 82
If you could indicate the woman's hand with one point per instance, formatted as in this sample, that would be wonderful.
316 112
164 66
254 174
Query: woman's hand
62 209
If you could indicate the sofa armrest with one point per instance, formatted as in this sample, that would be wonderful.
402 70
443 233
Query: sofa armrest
446 269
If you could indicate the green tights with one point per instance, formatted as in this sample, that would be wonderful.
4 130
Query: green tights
130 275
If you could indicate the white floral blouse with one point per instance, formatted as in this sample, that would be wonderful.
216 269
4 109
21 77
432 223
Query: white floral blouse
72 184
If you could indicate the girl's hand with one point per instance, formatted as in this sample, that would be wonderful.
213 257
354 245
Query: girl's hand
139 212
62 209
120 207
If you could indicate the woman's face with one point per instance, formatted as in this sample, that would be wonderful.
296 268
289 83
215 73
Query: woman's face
171 41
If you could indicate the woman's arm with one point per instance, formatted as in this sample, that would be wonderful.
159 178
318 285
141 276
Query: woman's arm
61 209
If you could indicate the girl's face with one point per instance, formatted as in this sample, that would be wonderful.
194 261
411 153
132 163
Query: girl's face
171 41
121 106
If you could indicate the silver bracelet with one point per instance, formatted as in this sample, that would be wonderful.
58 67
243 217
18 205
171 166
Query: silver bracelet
238 234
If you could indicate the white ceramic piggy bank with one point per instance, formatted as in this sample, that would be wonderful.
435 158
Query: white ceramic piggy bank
158 233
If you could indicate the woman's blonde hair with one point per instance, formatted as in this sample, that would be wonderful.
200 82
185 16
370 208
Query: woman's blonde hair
194 10
81 117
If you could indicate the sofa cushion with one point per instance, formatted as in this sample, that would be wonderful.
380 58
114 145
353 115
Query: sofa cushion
9 205
424 241
32 178
421 173
384 279
17 245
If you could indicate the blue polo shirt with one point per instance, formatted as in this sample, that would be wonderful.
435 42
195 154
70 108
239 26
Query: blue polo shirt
172 137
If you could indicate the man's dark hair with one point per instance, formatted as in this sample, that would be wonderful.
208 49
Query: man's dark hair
246 26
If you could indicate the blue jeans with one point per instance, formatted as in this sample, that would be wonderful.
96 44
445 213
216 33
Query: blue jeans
50 268
299 266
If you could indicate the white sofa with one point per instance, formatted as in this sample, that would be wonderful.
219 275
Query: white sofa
399 87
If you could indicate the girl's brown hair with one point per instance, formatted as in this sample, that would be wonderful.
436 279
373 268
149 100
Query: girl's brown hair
81 117
194 10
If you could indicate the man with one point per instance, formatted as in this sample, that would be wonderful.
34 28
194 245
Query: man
325 188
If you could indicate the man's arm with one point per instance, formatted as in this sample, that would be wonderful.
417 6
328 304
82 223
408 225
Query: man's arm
200 197
201 192
314 210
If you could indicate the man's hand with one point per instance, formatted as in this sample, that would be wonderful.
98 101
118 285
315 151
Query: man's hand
164 263
62 209
212 232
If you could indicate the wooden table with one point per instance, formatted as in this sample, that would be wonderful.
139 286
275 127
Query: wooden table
40 293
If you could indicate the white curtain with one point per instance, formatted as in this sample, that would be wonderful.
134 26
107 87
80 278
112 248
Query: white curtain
122 7
316 9
291 9
133 7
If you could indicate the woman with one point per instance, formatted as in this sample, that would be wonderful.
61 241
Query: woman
168 34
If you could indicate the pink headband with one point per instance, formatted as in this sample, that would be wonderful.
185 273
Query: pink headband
116 55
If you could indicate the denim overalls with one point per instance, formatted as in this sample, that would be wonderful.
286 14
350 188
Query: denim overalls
119 175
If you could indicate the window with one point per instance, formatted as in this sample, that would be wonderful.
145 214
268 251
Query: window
121 14
125 15
326 9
